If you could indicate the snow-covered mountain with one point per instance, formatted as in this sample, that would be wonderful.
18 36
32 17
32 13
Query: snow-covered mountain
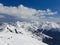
51 29
23 33
49 25
18 34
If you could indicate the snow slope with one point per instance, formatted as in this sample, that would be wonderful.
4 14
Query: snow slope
18 35
18 39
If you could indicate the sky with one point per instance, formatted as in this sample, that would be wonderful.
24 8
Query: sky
37 4
31 9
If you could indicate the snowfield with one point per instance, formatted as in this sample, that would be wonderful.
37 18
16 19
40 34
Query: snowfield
18 39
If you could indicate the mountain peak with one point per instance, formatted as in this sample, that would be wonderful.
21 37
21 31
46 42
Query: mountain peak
50 25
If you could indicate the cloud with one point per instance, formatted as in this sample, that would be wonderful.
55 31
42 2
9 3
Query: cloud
25 12
49 12
19 11
1 17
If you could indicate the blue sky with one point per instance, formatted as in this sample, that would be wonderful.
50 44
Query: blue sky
37 4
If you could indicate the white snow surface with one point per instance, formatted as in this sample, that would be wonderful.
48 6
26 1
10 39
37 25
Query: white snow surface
22 38
18 39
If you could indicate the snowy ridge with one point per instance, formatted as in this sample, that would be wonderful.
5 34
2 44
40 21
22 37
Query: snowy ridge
18 34
24 33
49 25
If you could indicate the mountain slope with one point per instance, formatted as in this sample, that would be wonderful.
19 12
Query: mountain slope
25 33
18 39
18 35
